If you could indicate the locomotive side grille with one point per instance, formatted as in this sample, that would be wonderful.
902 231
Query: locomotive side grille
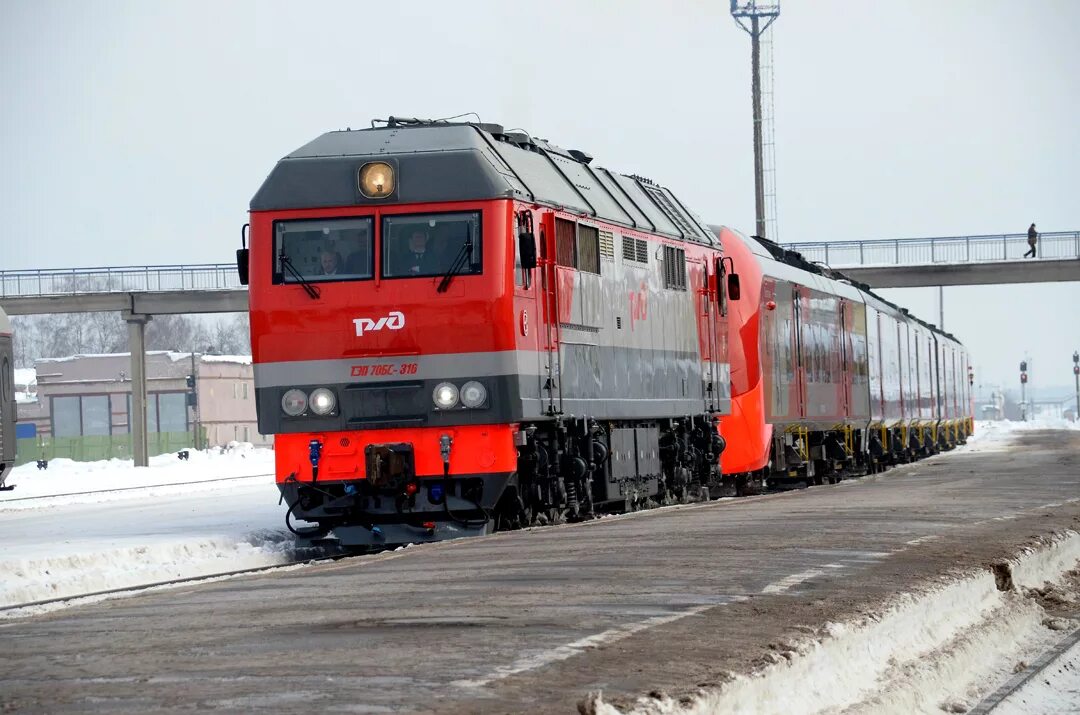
635 249
642 250
607 244
674 268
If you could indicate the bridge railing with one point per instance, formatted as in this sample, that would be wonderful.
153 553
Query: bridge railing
74 281
950 249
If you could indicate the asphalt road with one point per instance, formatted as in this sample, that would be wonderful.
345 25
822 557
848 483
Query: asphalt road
533 621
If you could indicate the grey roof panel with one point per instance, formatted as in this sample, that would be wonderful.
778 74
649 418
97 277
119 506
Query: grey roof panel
646 204
460 162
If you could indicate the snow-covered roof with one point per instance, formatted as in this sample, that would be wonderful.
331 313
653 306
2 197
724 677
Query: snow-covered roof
237 359
173 356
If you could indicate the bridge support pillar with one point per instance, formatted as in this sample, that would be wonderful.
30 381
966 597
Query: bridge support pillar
140 447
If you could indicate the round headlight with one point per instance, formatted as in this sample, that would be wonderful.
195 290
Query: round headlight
322 401
473 394
376 180
445 395
294 402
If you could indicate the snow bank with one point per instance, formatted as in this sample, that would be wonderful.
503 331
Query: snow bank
67 481
27 580
923 652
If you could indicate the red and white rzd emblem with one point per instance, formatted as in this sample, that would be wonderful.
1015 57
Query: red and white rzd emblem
394 321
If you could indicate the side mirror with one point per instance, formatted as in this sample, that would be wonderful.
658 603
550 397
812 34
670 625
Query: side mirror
242 256
733 290
242 265
527 250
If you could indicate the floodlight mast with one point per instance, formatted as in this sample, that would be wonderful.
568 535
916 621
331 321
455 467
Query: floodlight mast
760 16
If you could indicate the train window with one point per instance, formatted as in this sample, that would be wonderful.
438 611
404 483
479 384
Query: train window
323 250
674 268
415 245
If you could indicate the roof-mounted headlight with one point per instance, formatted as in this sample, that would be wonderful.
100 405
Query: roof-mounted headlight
376 180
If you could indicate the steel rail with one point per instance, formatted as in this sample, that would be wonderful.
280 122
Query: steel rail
128 489
171 582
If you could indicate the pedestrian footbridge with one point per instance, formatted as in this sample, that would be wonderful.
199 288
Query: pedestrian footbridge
950 260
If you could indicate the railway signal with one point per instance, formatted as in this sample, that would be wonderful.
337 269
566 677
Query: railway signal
1023 382
1076 375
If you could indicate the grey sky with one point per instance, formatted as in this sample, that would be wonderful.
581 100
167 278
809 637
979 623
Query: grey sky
136 132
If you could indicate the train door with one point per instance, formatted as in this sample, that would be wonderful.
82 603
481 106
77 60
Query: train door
715 324
528 312
551 365
846 372
801 313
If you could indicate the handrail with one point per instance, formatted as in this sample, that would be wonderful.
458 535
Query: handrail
1055 245
118 279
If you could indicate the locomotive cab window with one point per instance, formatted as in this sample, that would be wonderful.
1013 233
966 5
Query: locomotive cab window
417 245
323 250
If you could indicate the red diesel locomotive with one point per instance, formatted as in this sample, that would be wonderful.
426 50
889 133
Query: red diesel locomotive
457 328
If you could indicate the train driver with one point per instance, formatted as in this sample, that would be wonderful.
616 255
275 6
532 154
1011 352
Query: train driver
417 259
330 262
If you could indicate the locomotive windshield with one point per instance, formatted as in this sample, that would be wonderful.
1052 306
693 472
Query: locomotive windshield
431 245
323 250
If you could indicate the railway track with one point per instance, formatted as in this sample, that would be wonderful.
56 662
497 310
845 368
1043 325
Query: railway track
990 703
172 582
129 489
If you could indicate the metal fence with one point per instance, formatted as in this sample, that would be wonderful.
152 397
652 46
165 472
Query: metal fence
950 249
73 281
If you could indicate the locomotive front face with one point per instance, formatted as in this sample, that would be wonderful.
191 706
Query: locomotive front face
378 363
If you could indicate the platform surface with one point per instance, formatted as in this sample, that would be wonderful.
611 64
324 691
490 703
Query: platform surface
532 621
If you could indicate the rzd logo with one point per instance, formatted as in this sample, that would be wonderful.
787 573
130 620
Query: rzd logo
394 321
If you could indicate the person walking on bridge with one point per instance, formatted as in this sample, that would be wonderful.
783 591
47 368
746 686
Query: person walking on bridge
1033 238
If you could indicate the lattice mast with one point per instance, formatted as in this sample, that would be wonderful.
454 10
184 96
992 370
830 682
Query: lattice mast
756 18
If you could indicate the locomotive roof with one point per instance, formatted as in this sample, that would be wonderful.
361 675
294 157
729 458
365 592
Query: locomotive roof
443 161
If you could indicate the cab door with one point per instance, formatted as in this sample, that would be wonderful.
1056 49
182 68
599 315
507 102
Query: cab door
550 363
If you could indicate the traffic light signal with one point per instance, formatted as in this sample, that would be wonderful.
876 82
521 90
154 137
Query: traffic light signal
191 382
1023 366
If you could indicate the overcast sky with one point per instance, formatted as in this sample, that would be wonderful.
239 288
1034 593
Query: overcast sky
136 132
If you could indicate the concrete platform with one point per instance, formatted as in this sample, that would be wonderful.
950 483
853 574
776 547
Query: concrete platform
533 621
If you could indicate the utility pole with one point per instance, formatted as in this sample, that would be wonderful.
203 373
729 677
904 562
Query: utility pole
760 16
941 306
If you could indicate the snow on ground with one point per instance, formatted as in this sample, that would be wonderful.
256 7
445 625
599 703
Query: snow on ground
67 481
206 522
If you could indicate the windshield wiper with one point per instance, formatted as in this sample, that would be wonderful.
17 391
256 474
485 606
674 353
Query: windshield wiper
463 256
311 290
